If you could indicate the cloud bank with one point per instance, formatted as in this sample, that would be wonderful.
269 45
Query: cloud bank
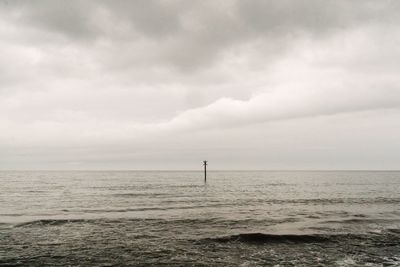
163 83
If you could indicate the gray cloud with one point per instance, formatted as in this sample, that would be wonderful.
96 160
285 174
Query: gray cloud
131 79
192 36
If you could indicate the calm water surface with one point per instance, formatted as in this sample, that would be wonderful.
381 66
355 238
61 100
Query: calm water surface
265 218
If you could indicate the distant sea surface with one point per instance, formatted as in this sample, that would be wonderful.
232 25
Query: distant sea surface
166 218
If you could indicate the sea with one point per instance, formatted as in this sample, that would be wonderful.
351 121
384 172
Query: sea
174 218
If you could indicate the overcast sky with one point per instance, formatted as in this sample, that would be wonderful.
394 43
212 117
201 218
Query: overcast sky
166 84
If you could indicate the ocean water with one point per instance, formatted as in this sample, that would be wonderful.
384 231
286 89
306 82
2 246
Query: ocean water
165 218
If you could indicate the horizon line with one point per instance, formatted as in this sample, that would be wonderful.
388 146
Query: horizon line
201 170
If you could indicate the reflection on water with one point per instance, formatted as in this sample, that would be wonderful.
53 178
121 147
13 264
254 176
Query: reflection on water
172 218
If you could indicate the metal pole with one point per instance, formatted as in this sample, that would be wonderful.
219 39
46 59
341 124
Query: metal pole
205 170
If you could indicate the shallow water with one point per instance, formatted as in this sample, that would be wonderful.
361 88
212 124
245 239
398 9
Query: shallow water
165 218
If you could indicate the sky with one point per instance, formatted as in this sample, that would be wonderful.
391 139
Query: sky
146 84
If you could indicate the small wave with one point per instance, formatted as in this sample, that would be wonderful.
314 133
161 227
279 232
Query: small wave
360 215
330 201
50 222
358 220
4 225
260 238
133 209
12 214
186 186
158 208
140 195
102 221
394 230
